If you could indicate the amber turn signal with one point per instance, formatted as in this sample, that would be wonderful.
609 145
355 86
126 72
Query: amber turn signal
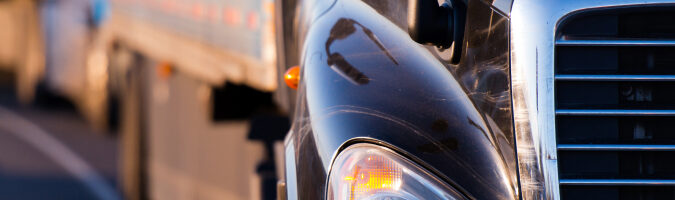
292 77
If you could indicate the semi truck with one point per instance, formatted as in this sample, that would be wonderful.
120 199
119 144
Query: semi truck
481 99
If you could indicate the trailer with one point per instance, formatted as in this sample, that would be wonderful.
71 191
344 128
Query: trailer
190 77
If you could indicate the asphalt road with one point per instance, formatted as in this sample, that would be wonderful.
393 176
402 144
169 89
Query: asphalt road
51 153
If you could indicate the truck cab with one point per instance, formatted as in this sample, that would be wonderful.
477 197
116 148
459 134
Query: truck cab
479 99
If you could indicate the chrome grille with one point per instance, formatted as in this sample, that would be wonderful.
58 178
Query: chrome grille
615 104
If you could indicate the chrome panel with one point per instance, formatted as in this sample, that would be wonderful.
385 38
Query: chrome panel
617 182
614 43
503 6
533 25
615 77
290 176
615 147
583 112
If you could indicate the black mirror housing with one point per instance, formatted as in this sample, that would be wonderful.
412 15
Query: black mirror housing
441 26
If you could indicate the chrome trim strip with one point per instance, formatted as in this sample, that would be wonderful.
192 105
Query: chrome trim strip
614 43
614 147
570 77
290 175
533 38
617 182
591 112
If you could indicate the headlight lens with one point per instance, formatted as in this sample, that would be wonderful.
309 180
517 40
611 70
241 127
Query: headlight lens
367 171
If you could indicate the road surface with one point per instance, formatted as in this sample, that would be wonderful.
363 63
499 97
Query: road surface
51 153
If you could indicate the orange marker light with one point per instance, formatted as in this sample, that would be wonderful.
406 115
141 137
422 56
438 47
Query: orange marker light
164 70
292 77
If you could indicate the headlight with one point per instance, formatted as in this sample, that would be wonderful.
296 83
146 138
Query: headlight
367 171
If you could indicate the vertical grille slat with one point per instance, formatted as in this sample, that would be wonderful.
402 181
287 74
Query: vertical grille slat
615 104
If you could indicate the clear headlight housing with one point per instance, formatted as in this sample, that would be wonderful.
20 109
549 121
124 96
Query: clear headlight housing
367 171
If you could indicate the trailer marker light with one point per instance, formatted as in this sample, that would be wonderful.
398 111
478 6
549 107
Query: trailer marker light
164 70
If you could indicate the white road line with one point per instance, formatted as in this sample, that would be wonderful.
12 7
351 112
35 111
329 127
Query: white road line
58 152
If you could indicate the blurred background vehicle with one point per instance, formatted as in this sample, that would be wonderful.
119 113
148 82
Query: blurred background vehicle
22 49
189 75
75 61
186 89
